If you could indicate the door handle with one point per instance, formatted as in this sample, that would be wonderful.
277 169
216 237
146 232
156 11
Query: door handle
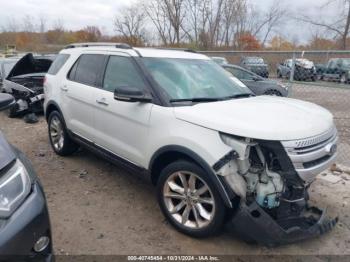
64 88
102 101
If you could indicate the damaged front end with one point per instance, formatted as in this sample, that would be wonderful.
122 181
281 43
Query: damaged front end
25 82
272 180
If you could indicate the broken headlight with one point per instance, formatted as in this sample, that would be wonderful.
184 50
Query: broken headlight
15 186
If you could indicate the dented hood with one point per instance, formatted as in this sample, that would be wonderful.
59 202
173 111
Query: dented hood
261 117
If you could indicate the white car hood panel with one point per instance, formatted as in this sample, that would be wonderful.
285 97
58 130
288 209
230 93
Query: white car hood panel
261 117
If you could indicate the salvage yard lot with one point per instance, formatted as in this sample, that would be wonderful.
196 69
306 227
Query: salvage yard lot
97 208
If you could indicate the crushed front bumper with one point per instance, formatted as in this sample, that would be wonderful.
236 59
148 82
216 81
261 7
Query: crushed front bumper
254 225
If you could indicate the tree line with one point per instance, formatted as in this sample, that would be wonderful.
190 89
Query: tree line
197 24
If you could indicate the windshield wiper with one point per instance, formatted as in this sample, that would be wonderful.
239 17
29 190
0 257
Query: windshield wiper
210 99
195 99
238 96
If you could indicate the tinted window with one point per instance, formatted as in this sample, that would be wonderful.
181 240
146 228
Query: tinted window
235 72
57 64
121 72
247 76
87 70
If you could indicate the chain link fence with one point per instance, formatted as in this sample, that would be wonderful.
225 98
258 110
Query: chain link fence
321 77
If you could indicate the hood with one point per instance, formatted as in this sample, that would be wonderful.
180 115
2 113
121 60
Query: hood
304 63
29 64
261 117
6 153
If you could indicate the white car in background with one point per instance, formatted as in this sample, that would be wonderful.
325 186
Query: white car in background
217 154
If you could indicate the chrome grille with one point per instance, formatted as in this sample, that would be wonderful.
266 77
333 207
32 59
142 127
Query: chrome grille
313 155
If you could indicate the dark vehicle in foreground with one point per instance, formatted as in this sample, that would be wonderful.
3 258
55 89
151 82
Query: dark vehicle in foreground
257 84
24 219
338 69
304 70
25 82
6 64
256 65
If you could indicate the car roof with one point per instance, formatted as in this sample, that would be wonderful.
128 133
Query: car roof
136 52
252 57
234 66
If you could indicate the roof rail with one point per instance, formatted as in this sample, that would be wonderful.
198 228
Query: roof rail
177 49
116 45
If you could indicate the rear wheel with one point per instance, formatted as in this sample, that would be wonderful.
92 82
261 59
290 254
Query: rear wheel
189 201
60 141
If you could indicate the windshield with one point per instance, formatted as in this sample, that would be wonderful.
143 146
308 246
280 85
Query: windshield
254 60
220 60
191 79
7 67
346 62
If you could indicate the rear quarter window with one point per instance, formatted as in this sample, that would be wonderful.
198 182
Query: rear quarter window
58 63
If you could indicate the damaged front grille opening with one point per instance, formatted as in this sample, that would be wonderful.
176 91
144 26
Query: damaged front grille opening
274 207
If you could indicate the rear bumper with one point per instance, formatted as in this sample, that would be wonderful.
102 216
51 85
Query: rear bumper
254 225
20 232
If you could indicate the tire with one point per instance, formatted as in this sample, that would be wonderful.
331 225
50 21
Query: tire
203 219
279 75
343 79
272 93
60 141
12 112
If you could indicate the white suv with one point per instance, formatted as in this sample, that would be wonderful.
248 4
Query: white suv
217 154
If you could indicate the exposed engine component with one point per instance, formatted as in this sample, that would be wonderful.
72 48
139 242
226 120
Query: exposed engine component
259 182
25 83
273 197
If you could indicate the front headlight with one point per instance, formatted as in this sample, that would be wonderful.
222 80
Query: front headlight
15 186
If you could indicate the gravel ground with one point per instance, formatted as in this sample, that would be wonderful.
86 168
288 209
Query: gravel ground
97 208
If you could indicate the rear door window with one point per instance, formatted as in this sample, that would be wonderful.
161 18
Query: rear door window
58 63
88 69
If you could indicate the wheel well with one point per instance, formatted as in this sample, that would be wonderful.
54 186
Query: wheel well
50 109
163 160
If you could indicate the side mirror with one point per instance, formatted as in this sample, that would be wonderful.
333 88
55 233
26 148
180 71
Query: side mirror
6 101
131 94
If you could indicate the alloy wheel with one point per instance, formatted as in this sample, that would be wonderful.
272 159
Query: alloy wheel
57 133
189 200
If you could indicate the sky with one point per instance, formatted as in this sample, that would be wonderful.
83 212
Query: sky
77 14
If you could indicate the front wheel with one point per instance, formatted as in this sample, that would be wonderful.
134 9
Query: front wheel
343 79
272 93
189 200
279 75
60 141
